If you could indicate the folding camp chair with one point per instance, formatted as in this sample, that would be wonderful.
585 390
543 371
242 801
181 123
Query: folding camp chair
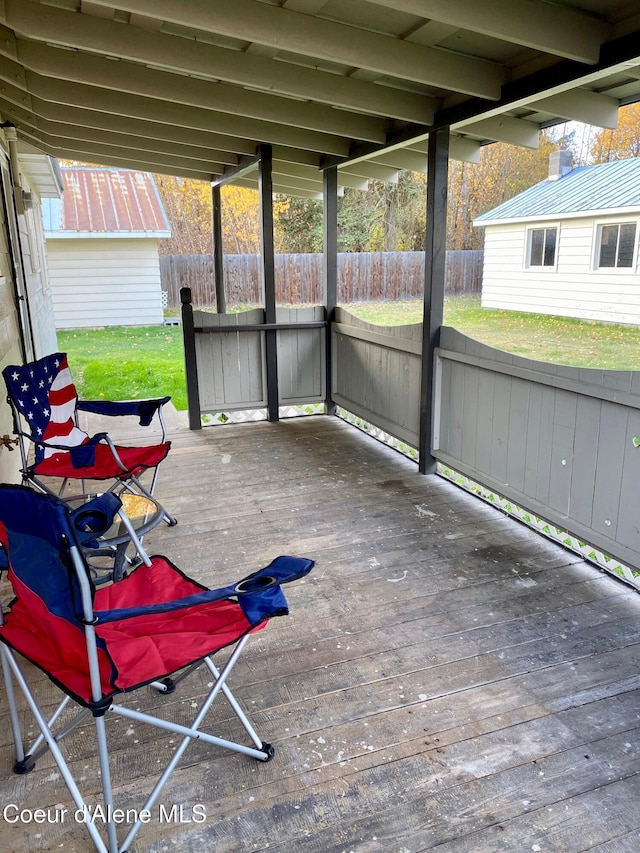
45 404
97 643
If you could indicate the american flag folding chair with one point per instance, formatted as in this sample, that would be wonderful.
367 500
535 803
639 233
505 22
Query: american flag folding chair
97 643
45 406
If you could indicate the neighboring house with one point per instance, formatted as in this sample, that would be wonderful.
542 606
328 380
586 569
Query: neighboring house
569 245
102 243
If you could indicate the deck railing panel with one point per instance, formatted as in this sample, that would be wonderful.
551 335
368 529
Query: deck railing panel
376 373
562 442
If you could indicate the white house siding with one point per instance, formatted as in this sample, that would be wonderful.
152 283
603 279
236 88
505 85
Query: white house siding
9 352
32 263
105 282
572 289
37 280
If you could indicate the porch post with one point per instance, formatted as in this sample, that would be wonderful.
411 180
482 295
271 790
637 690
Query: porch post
218 253
190 360
434 279
330 272
268 277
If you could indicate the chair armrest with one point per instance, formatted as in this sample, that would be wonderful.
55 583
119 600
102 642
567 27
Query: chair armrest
143 409
258 594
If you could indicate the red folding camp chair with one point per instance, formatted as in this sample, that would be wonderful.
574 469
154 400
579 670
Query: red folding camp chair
97 643
45 406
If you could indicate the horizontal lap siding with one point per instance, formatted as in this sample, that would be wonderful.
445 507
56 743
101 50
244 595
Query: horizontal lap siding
105 282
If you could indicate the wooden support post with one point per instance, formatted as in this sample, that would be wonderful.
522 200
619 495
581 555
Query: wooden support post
330 272
434 280
269 278
218 252
190 362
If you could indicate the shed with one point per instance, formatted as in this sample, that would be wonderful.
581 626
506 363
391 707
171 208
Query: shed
102 242
569 245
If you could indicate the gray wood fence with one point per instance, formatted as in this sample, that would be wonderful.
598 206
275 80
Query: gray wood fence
562 442
361 277
376 374
230 359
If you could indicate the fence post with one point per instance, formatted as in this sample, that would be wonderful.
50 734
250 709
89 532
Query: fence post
190 362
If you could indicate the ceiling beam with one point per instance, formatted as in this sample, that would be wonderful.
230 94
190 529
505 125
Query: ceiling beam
466 150
313 173
581 105
367 169
298 192
67 132
557 29
85 32
402 159
91 121
503 129
124 77
112 102
156 160
287 30
127 163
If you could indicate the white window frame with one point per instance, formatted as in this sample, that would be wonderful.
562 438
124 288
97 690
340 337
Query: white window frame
597 238
528 244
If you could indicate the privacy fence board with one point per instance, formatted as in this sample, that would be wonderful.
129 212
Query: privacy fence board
561 442
376 373
362 276
231 363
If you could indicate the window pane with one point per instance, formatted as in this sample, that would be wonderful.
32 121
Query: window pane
625 246
537 247
608 241
550 247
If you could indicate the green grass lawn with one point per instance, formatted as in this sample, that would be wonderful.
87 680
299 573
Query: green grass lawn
127 362
563 340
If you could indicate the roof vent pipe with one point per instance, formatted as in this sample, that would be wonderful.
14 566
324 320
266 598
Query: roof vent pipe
560 164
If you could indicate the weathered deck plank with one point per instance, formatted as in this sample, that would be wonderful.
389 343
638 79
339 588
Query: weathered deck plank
439 684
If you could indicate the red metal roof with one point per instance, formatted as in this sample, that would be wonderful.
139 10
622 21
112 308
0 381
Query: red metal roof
110 200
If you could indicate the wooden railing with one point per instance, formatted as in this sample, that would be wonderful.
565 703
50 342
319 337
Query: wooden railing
562 442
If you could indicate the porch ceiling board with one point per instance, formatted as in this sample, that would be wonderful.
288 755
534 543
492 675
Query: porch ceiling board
327 83
107 37
560 30
285 30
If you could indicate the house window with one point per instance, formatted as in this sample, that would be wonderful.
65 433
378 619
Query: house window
542 247
616 245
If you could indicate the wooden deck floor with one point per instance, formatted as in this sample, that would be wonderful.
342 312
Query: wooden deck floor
446 679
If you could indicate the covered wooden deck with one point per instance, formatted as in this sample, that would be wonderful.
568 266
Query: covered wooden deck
446 679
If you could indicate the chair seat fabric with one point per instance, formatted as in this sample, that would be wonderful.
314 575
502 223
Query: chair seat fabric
132 651
105 467
144 648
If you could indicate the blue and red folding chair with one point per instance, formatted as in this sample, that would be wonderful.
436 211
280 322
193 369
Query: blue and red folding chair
95 644
45 406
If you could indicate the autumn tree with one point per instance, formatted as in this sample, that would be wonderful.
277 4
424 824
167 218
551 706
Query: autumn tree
240 220
622 142
503 172
187 204
297 224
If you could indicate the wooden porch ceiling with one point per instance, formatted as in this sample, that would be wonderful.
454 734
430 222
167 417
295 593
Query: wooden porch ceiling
447 679
190 88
